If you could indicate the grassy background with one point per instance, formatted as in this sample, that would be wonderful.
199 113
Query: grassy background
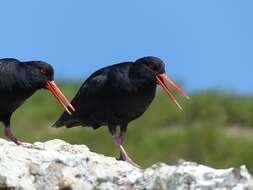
214 129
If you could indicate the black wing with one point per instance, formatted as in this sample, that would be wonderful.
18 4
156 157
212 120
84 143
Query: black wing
88 98
8 67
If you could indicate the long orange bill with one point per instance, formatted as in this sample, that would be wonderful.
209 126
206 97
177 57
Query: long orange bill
51 85
161 79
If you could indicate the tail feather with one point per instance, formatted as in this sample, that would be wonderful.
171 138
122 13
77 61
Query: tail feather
67 121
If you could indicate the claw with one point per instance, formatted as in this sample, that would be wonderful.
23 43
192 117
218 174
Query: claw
10 136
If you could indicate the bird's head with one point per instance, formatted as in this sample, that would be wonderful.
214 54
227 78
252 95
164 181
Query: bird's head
41 75
153 69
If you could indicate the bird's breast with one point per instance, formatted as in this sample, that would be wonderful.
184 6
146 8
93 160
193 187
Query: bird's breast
11 100
130 105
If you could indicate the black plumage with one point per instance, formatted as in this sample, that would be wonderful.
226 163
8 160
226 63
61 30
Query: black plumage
18 81
116 95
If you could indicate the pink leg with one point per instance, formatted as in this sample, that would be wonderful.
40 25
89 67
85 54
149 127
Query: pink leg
9 135
123 155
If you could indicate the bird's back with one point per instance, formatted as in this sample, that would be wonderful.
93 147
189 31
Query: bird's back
108 96
11 93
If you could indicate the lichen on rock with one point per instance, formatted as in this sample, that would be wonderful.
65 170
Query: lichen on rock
57 165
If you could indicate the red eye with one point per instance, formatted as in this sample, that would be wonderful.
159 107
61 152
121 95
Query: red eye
43 71
152 66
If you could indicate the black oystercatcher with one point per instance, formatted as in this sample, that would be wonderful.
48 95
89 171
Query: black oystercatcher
18 81
118 94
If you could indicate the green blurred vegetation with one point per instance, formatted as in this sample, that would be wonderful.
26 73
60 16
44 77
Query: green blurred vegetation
214 129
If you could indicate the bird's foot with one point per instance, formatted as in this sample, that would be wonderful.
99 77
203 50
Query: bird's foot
130 161
10 136
126 158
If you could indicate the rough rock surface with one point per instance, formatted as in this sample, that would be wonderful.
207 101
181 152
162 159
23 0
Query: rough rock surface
58 165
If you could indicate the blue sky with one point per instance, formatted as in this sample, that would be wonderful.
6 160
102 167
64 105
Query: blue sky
205 43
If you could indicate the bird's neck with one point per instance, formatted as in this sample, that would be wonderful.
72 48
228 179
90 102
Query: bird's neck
141 77
24 81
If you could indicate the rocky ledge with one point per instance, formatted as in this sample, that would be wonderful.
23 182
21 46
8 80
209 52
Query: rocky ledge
58 165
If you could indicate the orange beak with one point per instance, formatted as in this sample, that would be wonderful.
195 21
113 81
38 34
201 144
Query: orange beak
161 79
51 85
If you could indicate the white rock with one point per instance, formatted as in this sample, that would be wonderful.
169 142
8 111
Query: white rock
57 165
